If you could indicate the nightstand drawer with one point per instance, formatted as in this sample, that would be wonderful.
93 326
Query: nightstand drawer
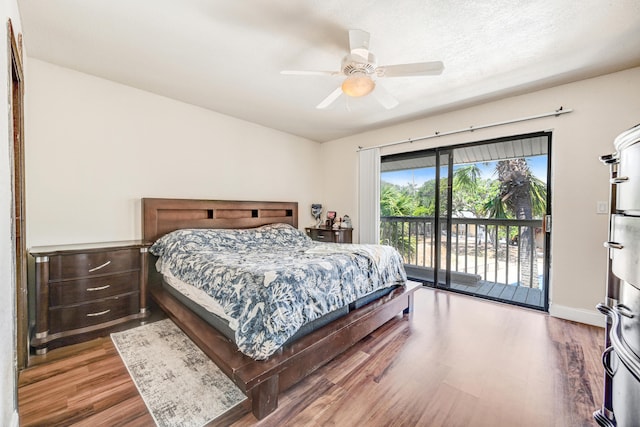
93 263
92 313
92 288
321 235
334 235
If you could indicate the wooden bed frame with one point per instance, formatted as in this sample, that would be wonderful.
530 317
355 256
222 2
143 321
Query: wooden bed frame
261 381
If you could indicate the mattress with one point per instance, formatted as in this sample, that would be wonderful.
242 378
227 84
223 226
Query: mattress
201 304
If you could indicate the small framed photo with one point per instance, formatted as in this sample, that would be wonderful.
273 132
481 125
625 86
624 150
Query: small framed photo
331 215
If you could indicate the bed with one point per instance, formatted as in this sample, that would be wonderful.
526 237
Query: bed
284 358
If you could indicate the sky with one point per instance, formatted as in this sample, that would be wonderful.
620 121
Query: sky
537 164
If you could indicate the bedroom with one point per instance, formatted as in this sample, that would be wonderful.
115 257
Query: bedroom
121 141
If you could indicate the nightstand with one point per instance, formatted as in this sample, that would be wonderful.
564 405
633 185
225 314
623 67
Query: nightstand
84 291
324 234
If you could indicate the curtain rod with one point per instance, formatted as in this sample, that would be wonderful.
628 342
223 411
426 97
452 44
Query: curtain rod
556 113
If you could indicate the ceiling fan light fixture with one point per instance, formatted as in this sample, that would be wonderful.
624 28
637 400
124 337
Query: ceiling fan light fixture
358 84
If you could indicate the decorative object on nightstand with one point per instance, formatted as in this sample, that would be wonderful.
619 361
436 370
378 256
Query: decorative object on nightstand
346 222
337 224
84 291
331 217
316 212
329 234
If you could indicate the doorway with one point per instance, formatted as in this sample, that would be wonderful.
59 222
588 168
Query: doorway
473 218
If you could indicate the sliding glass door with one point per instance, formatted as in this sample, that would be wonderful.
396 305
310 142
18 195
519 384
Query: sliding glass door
415 195
471 218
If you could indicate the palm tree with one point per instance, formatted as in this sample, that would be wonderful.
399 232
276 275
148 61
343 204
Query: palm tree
466 177
522 195
466 180
518 194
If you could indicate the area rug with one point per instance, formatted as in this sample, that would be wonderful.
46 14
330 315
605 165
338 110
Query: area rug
179 384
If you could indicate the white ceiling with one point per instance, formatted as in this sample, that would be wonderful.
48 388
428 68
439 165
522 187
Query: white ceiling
226 56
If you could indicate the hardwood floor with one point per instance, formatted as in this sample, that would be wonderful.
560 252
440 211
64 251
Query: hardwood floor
461 362
88 387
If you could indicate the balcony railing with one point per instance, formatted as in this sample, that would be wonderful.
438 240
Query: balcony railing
502 251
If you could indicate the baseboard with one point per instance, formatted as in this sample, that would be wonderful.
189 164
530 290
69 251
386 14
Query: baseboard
590 317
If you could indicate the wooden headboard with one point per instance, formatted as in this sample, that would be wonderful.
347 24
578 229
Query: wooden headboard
161 216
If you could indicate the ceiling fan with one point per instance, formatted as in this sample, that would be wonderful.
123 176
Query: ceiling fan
361 71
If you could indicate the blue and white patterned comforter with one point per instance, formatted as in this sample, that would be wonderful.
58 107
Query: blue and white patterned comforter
273 279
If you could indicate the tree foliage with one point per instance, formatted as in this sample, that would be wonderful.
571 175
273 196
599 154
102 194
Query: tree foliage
501 196
396 201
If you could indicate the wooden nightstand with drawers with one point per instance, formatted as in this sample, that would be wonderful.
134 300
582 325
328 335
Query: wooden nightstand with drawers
333 235
84 291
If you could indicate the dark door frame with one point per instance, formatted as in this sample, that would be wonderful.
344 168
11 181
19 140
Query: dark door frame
437 152
16 104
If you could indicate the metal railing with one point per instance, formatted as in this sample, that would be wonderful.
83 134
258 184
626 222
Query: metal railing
502 251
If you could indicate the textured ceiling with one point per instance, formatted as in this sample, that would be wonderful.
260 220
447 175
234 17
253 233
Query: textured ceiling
227 56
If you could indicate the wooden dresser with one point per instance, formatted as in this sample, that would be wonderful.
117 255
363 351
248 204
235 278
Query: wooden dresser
621 358
333 235
84 291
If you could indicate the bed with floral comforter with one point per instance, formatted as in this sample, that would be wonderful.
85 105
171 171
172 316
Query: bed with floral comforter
271 280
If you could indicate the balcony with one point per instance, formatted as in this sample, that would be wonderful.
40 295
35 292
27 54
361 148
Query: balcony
499 259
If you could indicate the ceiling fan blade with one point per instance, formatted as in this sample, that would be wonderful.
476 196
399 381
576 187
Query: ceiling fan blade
384 97
418 69
330 99
310 73
359 43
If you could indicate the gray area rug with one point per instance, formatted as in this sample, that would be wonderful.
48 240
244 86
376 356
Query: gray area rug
180 385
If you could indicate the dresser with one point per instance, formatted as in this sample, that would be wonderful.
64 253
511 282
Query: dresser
84 291
621 358
333 235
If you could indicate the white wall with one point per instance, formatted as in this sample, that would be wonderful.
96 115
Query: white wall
94 148
603 107
8 403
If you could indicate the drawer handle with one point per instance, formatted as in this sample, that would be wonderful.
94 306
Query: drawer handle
100 288
99 267
625 311
613 245
606 362
609 159
619 180
623 351
100 313
320 236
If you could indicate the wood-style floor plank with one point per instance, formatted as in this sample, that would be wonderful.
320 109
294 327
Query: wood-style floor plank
460 362
89 387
